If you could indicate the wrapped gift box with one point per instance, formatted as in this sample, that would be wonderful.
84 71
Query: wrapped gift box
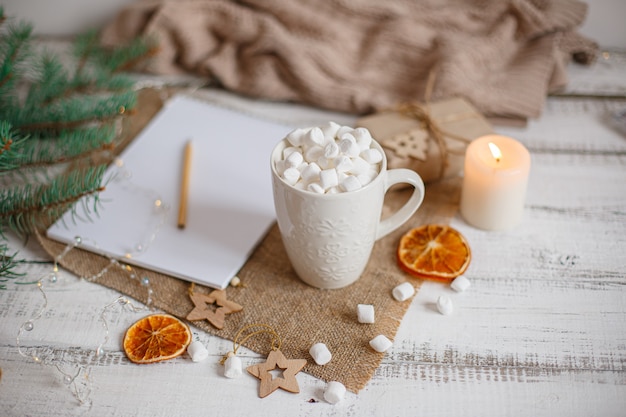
428 139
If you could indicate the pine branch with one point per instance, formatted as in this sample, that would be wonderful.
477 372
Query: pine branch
14 48
31 208
69 146
114 60
54 121
54 83
51 81
72 112
85 46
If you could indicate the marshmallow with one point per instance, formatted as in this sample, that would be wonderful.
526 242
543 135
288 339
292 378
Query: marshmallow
331 150
289 150
342 129
325 163
359 166
311 172
315 188
334 392
291 176
294 159
197 351
302 166
314 137
363 137
232 366
314 153
341 176
343 163
348 145
296 137
365 313
444 305
403 291
320 353
367 177
460 283
380 343
350 184
328 178
372 156
330 130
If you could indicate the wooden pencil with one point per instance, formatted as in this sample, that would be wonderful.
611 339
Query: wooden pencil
184 186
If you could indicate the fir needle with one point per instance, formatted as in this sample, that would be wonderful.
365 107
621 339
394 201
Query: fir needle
184 187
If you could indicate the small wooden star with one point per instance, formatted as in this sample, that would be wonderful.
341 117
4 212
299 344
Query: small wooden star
213 307
269 383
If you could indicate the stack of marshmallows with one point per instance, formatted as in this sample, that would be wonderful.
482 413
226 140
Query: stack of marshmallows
329 159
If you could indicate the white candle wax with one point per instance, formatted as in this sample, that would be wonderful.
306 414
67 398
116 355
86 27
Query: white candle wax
494 186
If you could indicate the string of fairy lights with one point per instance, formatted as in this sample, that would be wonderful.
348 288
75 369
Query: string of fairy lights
77 374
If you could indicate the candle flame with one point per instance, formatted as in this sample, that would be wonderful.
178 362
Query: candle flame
495 151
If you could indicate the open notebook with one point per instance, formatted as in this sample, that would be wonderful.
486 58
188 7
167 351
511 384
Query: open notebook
230 205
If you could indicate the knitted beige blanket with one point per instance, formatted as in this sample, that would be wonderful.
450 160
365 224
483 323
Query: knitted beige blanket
357 56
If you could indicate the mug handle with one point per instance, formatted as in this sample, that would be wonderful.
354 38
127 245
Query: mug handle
397 219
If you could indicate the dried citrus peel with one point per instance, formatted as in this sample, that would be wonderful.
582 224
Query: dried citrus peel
434 251
156 338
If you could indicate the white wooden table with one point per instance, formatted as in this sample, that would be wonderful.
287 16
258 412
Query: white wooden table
541 332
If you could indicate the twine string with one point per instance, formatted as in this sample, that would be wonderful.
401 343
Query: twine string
422 113
276 342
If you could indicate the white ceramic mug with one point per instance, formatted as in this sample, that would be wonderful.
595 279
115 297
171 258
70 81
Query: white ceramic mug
329 237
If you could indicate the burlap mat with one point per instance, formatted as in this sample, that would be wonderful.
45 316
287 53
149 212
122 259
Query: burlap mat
273 294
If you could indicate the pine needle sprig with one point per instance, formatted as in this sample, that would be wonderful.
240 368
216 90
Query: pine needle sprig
11 146
8 265
54 82
33 207
124 58
69 146
71 112
98 81
50 80
14 48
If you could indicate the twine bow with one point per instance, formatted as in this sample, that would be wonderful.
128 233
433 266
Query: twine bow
421 112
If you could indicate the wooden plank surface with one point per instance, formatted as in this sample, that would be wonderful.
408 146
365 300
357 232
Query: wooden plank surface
541 331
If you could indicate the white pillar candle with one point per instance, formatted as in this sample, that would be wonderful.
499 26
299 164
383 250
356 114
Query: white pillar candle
494 183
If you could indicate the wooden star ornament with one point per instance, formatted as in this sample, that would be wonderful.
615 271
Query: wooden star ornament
269 383
413 143
213 307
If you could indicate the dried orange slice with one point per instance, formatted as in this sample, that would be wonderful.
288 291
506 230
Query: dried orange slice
434 251
156 338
